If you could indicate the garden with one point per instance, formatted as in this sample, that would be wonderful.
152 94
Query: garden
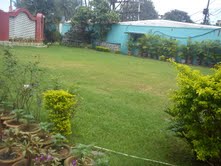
25 138
116 102
79 101
203 53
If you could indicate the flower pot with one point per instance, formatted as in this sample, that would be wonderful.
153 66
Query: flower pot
22 162
2 145
12 123
69 161
45 137
62 151
6 115
11 159
29 128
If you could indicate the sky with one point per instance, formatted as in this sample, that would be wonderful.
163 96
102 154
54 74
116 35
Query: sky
193 7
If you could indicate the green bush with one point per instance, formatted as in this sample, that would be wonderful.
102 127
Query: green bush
155 45
102 48
117 52
60 105
162 58
196 111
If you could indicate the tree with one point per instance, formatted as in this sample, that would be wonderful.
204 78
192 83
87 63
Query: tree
80 25
66 8
102 18
177 15
129 11
91 23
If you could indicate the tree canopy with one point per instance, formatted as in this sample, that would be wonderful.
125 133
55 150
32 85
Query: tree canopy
129 11
177 15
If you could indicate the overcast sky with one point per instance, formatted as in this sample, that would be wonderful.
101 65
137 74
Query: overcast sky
193 7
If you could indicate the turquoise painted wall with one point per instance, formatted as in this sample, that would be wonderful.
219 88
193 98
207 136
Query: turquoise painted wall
118 34
64 27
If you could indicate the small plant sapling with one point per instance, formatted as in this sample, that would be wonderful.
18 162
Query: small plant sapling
59 146
10 142
35 153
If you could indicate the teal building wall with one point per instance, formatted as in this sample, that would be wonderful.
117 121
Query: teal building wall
64 28
119 33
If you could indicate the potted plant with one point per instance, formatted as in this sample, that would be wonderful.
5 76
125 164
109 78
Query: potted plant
46 160
5 111
60 147
16 122
81 155
30 126
35 153
44 134
10 154
1 136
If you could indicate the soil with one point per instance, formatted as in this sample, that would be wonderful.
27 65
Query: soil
6 115
29 128
21 163
44 137
14 122
8 156
63 151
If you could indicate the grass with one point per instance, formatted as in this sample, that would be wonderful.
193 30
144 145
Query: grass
122 102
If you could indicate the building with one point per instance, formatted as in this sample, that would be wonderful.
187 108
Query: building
119 33
20 25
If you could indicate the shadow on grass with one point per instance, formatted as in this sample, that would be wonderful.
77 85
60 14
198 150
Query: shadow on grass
179 152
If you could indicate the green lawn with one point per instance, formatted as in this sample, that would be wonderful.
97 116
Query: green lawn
122 102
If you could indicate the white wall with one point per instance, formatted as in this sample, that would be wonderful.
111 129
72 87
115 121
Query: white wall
21 27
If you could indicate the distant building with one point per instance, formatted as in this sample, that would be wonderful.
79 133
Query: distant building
119 33
218 23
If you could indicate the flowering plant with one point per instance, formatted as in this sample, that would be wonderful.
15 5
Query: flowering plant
46 160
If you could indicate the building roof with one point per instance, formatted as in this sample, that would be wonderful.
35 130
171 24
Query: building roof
167 23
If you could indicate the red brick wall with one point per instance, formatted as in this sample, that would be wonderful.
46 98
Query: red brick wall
4 26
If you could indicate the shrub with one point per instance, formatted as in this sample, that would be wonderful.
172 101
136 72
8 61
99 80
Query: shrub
117 52
20 83
155 45
60 104
162 58
196 111
102 48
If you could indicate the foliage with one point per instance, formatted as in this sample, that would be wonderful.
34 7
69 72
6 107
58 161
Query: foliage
102 48
177 15
10 141
83 153
130 11
66 8
90 23
118 87
19 113
155 46
204 53
60 104
59 139
32 148
162 58
45 127
52 36
195 111
19 82
102 18
80 31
